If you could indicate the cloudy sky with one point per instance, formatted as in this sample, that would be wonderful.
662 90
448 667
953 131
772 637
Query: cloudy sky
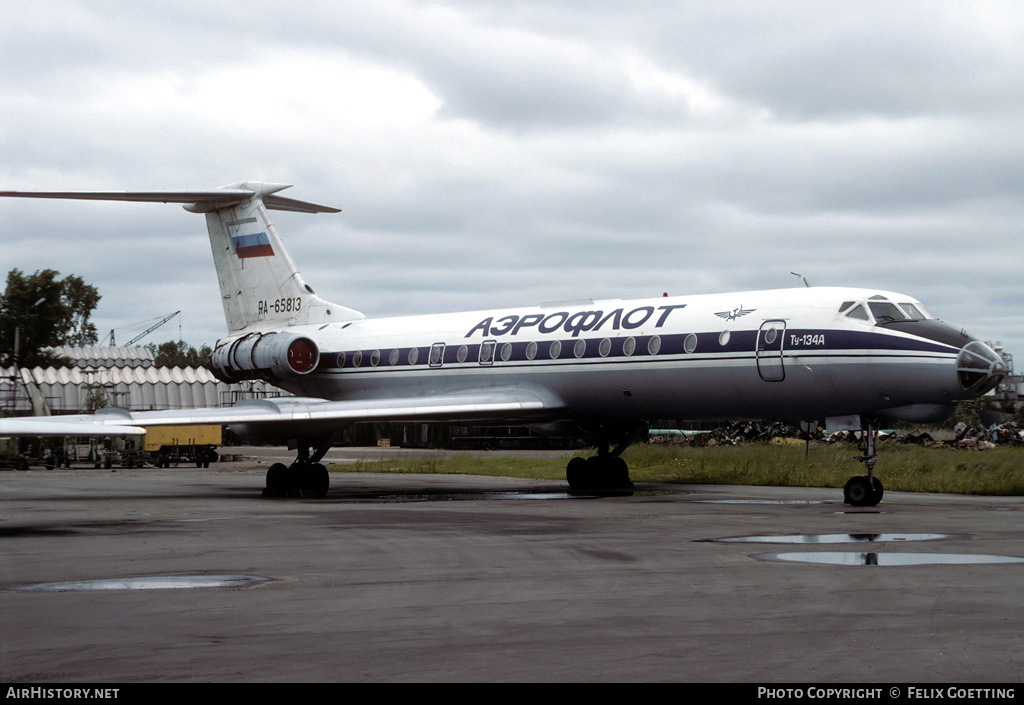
504 153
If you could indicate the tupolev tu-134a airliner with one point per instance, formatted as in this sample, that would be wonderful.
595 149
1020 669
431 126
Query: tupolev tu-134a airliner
597 369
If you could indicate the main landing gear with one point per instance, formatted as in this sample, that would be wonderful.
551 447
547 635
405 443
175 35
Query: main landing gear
865 490
604 472
306 477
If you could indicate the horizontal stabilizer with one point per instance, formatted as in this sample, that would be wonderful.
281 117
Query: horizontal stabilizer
196 201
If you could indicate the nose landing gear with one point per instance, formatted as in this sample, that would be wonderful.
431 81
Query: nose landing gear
865 490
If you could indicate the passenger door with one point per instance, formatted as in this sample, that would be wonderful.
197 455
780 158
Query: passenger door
770 340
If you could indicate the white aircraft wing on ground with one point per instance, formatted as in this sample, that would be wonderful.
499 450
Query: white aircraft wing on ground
57 426
513 406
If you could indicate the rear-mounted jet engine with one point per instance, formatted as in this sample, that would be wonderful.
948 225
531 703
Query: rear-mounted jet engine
271 356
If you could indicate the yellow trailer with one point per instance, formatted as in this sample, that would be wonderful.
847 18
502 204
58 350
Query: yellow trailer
175 444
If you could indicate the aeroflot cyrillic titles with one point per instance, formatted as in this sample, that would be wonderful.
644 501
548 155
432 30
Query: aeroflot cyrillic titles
573 323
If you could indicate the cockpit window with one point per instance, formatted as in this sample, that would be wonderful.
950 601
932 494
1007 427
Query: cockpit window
878 309
885 312
912 310
859 313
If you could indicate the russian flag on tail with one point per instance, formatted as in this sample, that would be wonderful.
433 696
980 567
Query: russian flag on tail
256 245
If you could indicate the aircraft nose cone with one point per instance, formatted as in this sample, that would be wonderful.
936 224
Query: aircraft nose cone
979 368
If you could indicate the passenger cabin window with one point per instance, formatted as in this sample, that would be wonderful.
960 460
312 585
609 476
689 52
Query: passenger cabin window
690 344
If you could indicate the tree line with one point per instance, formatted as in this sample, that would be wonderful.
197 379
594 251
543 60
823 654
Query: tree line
43 311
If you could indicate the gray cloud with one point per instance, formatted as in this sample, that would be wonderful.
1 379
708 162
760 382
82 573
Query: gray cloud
502 154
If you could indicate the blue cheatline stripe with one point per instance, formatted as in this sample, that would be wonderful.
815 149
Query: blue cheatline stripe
839 345
255 245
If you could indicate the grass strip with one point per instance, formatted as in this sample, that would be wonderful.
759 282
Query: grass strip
908 468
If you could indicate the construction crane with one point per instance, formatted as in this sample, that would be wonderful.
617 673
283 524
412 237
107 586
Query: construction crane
144 333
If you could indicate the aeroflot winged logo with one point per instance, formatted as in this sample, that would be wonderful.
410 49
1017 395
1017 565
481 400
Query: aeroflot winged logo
735 313
256 245
574 323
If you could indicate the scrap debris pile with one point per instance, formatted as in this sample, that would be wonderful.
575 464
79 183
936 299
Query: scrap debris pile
964 435
980 437
735 433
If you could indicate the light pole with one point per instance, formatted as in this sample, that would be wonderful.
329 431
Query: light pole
17 325
16 317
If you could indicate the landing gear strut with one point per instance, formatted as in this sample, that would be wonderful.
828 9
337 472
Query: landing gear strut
306 477
605 471
865 490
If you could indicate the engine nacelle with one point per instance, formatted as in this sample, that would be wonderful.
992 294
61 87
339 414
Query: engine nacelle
271 356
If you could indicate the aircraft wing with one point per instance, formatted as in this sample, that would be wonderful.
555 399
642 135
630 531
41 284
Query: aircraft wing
55 426
508 405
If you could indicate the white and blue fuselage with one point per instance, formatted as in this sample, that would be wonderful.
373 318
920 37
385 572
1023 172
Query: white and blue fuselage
806 353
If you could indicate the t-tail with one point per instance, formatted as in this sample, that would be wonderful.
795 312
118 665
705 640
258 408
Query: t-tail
260 287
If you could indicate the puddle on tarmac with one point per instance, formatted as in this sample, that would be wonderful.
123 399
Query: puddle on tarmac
157 582
885 559
833 538
457 496
535 495
764 501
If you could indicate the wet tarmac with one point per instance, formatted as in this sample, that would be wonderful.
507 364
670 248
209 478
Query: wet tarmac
157 582
835 538
886 559
190 575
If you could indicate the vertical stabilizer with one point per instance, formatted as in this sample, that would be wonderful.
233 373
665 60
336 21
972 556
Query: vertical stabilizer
259 284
